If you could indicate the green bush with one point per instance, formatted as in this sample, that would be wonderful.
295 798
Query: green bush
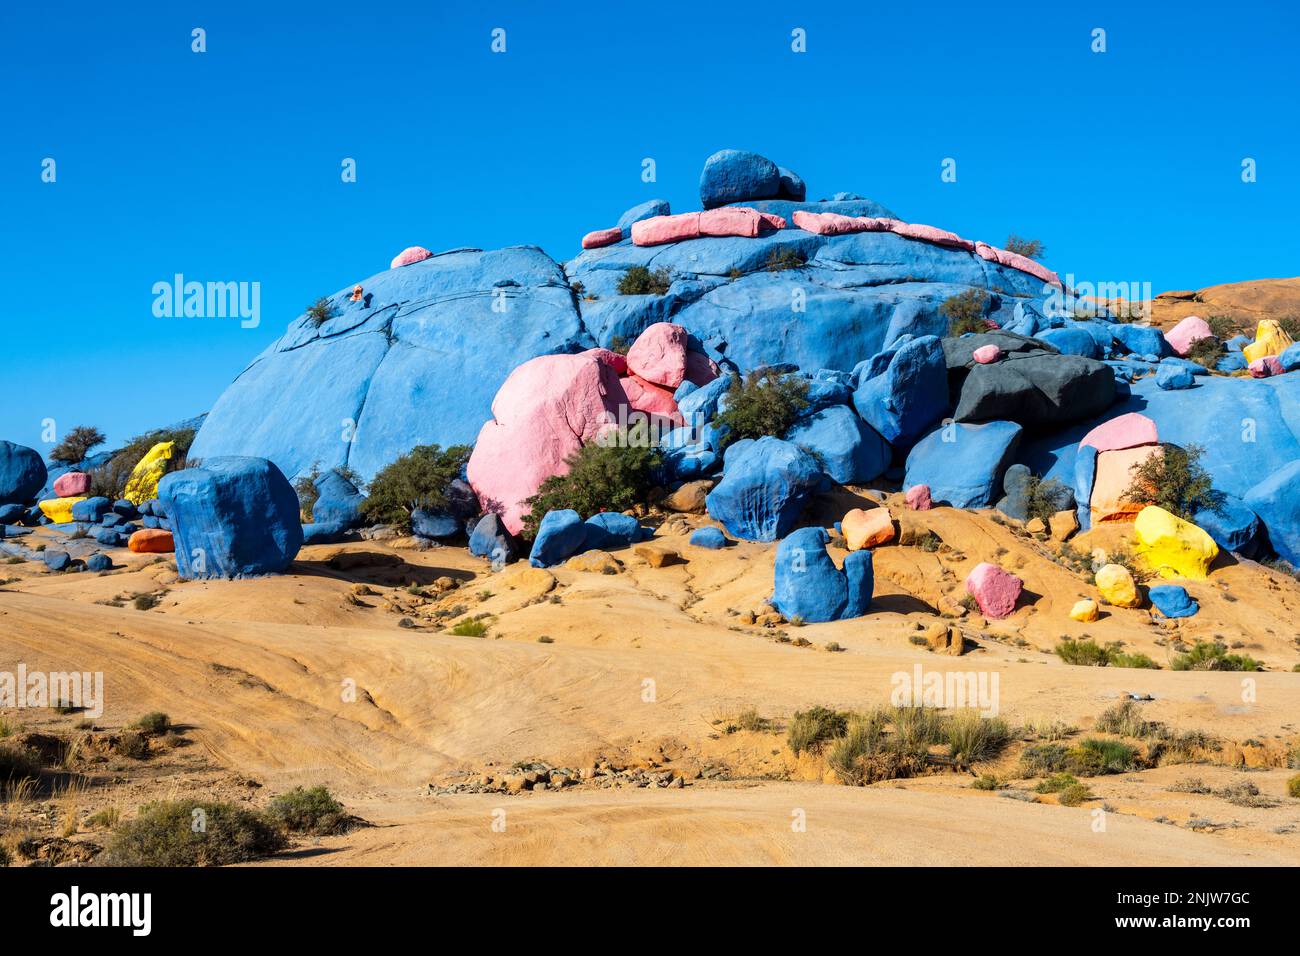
1046 496
320 312
809 729
109 479
308 811
764 402
965 312
638 280
469 627
172 833
1029 248
155 723
779 260
1086 653
1224 327
987 782
1124 720
305 486
1293 786
1206 352
611 474
1094 756
972 738
418 479
1212 656
76 444
1175 481
1056 783
1074 795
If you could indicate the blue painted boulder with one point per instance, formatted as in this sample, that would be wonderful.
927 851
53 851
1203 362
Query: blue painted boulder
109 537
111 520
903 392
710 537
646 210
1172 600
56 560
611 529
233 517
438 525
560 535
22 473
848 449
1234 527
1171 377
126 509
1290 358
12 513
1278 505
1141 339
490 539
963 464
149 521
808 587
737 175
1072 341
99 562
338 501
91 510
764 488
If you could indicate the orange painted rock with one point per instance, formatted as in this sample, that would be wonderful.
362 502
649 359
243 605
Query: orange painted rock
866 529
1114 476
151 541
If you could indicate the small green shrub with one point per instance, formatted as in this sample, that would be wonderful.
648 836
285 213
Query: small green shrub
1213 656
1135 660
764 402
751 720
1046 496
607 475
312 811
1224 327
809 729
1085 653
779 260
1056 783
17 763
154 723
133 744
1094 756
320 312
469 627
193 833
76 445
1206 352
1074 795
965 312
1293 787
308 495
418 479
986 782
1029 248
1176 482
972 738
1124 720
638 280
109 479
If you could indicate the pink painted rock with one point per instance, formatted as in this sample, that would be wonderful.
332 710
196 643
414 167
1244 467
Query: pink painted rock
547 409
940 237
1191 329
700 369
615 361
732 221
1266 367
659 355
995 591
918 498
72 484
828 223
1016 261
654 400
1123 431
867 529
772 220
987 354
602 237
660 229
408 255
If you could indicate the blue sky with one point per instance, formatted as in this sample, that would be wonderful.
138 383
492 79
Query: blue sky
225 165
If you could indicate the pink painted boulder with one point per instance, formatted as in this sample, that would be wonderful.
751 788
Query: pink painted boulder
1124 431
924 233
654 400
1014 260
1192 329
547 409
995 591
72 484
659 354
1266 367
602 237
987 354
918 498
732 221
660 229
827 223
408 255
615 361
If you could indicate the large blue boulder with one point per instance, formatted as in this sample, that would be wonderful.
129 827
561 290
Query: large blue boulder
1290 358
764 488
1172 600
109 537
1141 339
126 509
1278 505
848 449
904 392
1072 341
1233 526
612 529
22 473
560 535
435 524
490 539
91 510
736 175
1172 377
962 463
809 588
701 405
233 517
416 362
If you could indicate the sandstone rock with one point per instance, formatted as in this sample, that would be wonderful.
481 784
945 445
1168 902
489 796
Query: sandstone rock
1037 525
596 562
1063 525
658 556
690 497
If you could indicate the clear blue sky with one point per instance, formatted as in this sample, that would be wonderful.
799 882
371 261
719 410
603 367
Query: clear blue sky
225 165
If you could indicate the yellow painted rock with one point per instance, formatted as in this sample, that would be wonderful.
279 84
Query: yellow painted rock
866 529
143 483
1270 339
1085 610
59 510
1172 547
1117 586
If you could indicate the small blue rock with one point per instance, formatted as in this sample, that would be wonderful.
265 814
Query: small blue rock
1172 600
1173 377
711 538
98 562
56 560
561 535
611 529
491 540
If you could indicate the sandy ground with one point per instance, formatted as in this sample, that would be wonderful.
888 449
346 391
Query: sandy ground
310 678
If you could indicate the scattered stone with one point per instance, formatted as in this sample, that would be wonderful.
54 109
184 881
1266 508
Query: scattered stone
594 561
658 556
867 529
711 538
996 591
1063 524
690 497
1117 587
1085 611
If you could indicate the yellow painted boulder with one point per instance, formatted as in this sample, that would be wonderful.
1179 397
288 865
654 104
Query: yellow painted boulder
1116 584
59 510
1270 339
1085 610
866 529
143 483
1172 547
